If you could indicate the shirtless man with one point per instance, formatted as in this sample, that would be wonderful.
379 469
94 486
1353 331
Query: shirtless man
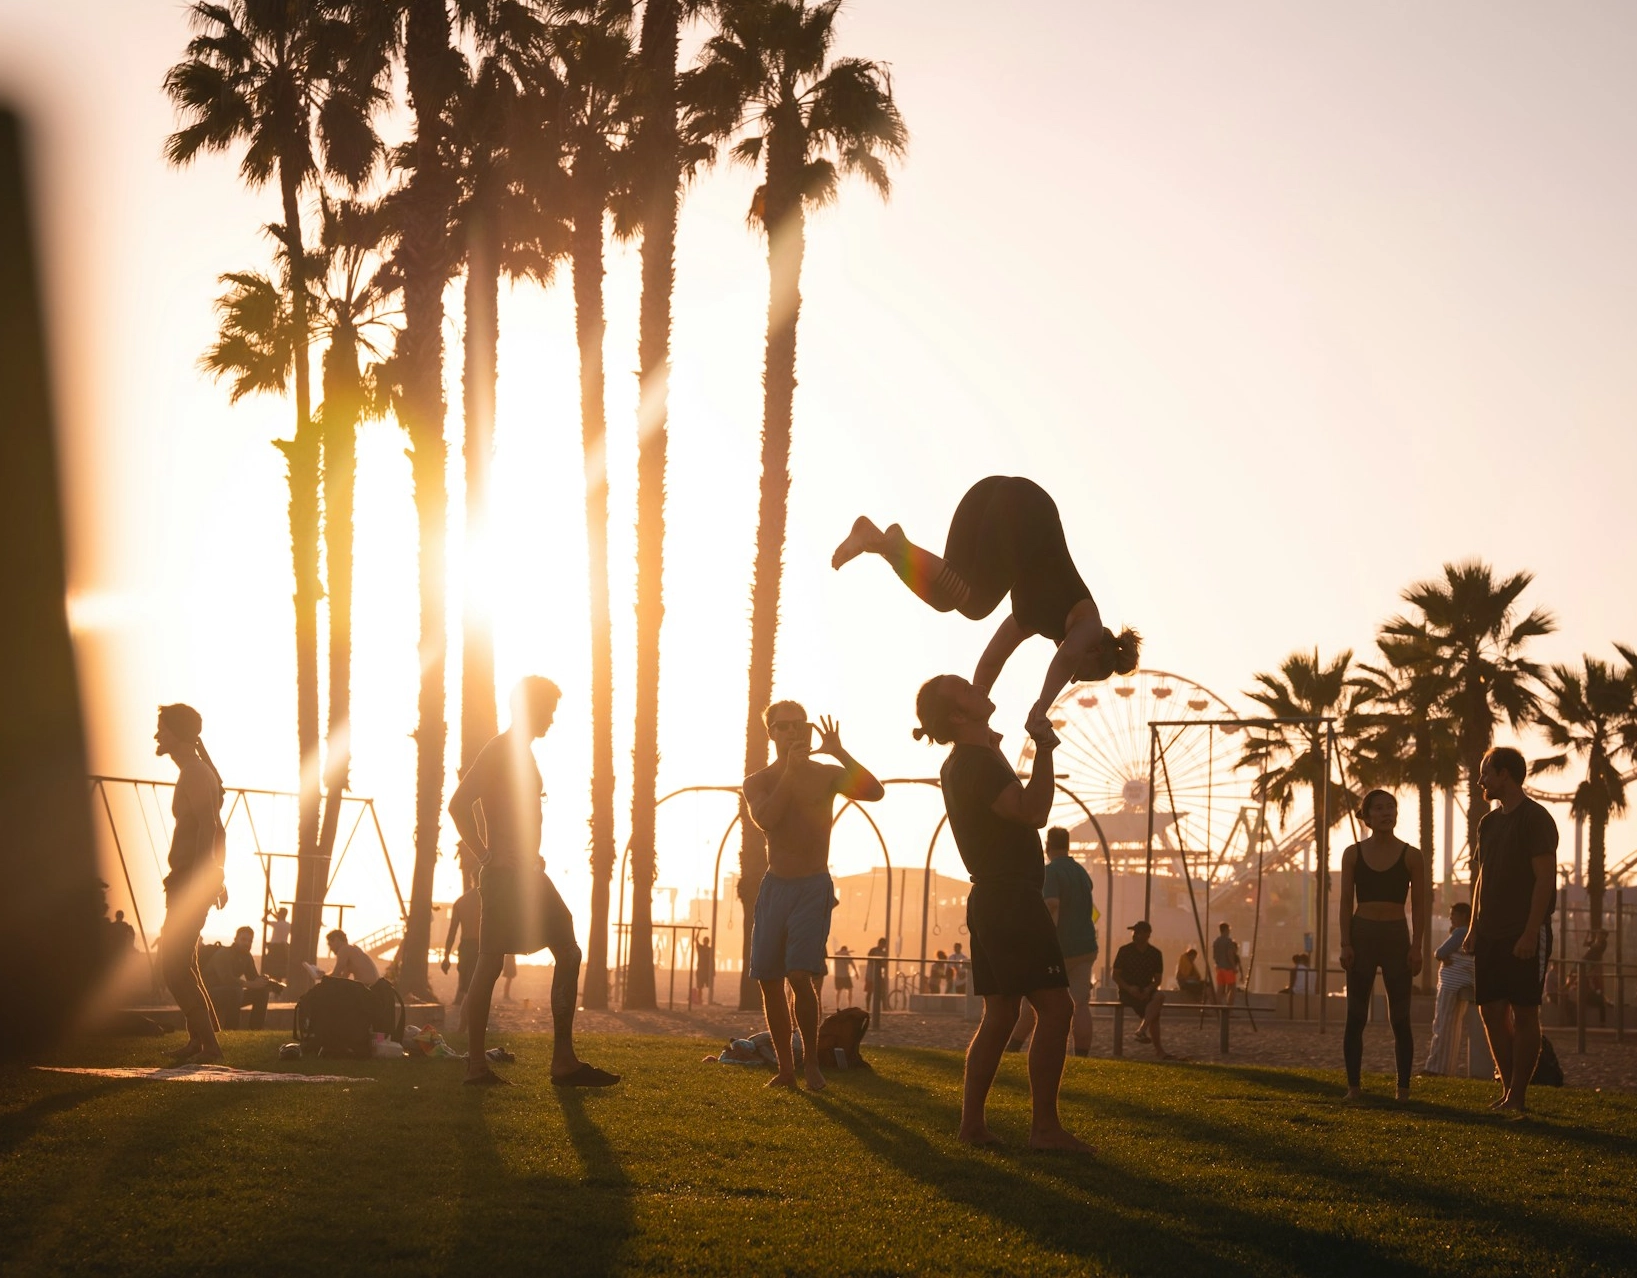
792 801
351 961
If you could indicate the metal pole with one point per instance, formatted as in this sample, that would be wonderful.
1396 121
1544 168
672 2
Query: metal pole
1148 871
1322 855
125 869
926 881
1620 965
716 879
1579 1006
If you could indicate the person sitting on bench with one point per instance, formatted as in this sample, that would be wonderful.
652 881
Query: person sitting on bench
1138 967
1190 980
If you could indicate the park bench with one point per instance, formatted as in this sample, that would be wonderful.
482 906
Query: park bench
280 1015
1224 1015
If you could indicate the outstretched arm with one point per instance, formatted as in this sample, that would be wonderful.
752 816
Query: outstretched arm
1084 634
1032 804
1003 645
856 781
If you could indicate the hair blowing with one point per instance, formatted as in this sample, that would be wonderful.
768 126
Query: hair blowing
1127 650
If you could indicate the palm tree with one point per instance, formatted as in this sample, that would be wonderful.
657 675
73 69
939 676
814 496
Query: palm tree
349 312
1468 619
1404 738
499 113
767 80
593 61
289 82
424 261
1591 714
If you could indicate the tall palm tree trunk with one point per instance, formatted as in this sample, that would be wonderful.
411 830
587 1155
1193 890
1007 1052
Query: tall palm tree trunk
786 245
1596 867
478 719
1424 813
660 167
302 461
587 260
342 407
429 70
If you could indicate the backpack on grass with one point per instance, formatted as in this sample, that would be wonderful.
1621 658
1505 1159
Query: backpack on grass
335 1018
839 1037
1548 1069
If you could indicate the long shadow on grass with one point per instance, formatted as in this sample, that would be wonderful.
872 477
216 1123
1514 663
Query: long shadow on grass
1094 1211
1300 1157
539 1223
17 1126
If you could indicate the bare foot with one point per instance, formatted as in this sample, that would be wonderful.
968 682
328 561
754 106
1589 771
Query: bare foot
187 1052
782 1080
1354 1093
1513 1112
208 1056
1498 1103
980 1136
814 1077
1403 1094
864 536
1061 1140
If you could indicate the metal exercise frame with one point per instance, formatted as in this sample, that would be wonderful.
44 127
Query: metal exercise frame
1321 831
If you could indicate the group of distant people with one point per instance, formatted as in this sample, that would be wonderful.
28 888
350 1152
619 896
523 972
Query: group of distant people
1029 916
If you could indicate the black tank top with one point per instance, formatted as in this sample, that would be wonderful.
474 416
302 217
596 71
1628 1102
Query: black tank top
1391 884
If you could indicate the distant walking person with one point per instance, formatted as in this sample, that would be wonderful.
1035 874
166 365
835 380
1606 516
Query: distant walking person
1513 896
1455 991
844 976
1225 957
1377 876
704 969
792 801
1007 537
496 810
465 924
195 882
1068 896
995 820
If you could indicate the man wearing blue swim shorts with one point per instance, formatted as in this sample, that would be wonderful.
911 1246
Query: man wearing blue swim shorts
792 802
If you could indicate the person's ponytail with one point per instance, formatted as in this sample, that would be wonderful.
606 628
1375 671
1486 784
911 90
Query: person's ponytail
1127 651
204 757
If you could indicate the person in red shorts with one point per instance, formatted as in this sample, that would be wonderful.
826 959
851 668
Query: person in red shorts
1225 954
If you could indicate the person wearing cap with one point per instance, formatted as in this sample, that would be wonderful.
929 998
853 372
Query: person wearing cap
1138 967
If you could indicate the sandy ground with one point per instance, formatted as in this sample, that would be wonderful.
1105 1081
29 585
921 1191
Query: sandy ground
1276 1043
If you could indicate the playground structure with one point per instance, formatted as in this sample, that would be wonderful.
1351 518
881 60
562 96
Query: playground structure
263 819
1148 784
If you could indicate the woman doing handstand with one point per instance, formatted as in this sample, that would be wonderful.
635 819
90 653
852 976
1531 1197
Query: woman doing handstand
1377 875
1007 537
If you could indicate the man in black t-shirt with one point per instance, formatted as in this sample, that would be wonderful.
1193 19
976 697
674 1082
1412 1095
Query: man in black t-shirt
1015 953
1514 890
1138 970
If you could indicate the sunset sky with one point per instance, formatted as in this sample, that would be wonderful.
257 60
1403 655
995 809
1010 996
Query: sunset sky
1286 304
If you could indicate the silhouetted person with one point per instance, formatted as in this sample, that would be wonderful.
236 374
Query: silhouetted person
1190 980
996 820
792 802
275 955
1138 968
465 922
1513 894
875 972
195 882
1377 876
121 936
1225 958
233 982
496 810
844 976
1068 896
351 961
1007 537
704 968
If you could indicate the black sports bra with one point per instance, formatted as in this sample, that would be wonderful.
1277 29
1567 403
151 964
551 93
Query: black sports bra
1391 885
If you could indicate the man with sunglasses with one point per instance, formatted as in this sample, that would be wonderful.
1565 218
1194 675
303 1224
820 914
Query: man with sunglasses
792 802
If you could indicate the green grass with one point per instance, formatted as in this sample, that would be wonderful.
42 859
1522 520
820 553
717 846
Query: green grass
694 1168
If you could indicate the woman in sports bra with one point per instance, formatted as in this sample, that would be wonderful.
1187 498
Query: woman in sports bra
1377 876
1006 537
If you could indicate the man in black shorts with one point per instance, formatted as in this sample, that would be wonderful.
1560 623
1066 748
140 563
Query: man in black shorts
1015 953
1138 970
1513 893
496 810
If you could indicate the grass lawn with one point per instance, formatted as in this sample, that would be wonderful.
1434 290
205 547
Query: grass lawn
696 1168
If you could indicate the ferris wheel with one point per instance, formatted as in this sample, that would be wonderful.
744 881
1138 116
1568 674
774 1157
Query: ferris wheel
1204 802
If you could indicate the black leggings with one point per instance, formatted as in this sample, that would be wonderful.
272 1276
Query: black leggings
1383 943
